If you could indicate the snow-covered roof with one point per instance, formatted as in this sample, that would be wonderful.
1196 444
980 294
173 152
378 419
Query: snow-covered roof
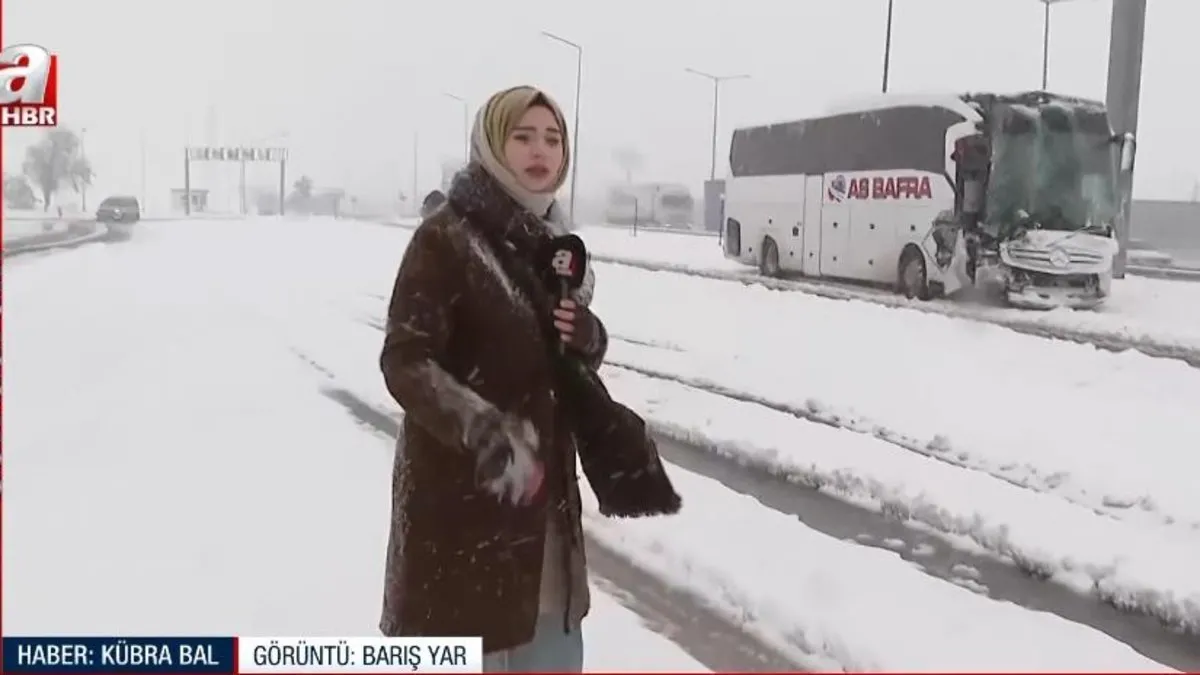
948 101
958 103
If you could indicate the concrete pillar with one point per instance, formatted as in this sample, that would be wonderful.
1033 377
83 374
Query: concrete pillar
1122 97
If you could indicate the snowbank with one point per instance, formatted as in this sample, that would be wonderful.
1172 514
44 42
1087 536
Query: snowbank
1146 567
16 230
1116 432
852 607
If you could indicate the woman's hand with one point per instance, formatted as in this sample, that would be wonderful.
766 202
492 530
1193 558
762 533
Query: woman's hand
506 463
574 324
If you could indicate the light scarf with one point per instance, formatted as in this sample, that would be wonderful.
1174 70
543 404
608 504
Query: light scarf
493 124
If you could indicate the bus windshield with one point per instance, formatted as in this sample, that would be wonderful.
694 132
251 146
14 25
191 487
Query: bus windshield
1055 166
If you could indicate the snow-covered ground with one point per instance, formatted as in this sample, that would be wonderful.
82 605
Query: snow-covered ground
1142 566
1120 427
178 471
963 426
1139 307
933 396
15 230
27 214
184 444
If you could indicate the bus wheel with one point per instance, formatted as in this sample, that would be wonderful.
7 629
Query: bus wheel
768 259
913 279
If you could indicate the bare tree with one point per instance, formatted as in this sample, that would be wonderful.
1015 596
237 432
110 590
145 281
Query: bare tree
300 200
55 162
630 160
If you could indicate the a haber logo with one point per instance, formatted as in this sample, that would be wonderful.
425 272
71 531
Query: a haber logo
28 87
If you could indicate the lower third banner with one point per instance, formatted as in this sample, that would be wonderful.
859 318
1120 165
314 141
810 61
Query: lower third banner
118 655
229 656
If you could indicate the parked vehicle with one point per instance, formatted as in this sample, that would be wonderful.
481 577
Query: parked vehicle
119 213
654 204
933 194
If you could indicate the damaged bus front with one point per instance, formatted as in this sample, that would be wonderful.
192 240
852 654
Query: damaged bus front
1038 200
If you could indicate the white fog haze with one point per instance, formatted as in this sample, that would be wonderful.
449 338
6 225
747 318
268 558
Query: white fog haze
347 86
916 390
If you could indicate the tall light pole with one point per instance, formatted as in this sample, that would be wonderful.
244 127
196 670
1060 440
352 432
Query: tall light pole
887 46
716 81
575 131
466 125
1046 41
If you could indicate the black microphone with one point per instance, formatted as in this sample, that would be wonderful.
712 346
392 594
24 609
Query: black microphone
565 265
564 261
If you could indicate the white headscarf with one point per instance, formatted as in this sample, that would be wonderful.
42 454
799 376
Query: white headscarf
542 204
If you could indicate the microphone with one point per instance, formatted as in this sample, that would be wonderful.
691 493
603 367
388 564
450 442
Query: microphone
564 264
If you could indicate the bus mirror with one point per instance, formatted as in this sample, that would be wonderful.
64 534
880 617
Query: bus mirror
1128 149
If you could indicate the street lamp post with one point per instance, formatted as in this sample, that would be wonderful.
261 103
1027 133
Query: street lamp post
1046 42
716 80
466 125
887 46
575 131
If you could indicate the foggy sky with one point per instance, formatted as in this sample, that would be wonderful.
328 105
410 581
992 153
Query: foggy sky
351 82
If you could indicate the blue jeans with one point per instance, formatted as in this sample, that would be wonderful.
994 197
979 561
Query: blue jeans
551 650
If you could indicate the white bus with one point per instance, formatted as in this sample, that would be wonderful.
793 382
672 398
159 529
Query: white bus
659 204
933 194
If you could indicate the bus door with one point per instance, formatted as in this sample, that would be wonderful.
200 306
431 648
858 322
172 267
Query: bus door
835 228
810 226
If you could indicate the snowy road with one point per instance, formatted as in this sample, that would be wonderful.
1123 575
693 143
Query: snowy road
166 416
1150 315
709 637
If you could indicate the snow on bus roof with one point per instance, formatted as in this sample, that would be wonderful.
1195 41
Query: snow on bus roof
948 101
959 103
868 103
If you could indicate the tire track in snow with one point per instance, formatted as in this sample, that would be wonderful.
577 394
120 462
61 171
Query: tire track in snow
826 503
950 558
938 448
675 614
1148 620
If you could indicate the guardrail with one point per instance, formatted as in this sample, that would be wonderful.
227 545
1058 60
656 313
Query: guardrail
1173 273
655 228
